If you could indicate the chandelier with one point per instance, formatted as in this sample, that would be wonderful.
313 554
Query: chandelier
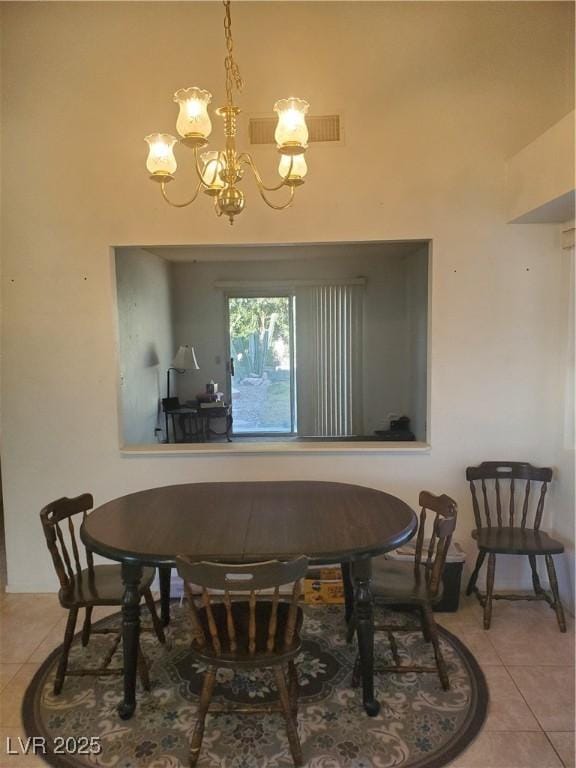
220 171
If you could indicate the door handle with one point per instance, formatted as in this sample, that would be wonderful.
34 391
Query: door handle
232 366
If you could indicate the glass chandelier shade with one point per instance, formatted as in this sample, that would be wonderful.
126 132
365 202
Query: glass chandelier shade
219 173
161 162
212 168
291 132
293 168
193 119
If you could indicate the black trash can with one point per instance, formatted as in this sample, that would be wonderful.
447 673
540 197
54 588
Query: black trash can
452 577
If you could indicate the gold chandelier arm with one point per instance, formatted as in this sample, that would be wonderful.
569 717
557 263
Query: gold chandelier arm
273 205
197 164
247 159
180 205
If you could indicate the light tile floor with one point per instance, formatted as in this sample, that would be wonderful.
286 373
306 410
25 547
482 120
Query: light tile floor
528 663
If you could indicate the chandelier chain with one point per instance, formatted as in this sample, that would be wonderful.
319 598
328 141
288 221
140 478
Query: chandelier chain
219 173
233 77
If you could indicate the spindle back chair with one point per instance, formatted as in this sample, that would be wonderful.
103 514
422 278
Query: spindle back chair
508 500
415 586
85 585
247 625
69 569
431 567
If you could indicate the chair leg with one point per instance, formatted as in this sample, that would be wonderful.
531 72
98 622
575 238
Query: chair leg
424 624
87 626
489 590
143 669
63 663
433 632
535 579
156 623
293 687
291 725
555 594
474 577
205 698
164 574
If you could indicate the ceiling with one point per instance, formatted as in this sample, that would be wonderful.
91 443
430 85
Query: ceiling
279 252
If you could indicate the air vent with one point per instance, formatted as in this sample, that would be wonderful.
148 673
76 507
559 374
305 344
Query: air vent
320 128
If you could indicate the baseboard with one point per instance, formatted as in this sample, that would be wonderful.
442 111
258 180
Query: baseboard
24 589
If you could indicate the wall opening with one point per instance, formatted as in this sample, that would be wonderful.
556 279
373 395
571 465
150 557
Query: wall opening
308 342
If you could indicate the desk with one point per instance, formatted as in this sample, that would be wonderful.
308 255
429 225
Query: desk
187 417
196 422
208 415
248 522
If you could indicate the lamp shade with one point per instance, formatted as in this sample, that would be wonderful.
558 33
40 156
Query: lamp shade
185 359
161 160
212 166
193 119
291 132
293 168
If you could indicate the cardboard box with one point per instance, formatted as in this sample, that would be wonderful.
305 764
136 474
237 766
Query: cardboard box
325 573
322 592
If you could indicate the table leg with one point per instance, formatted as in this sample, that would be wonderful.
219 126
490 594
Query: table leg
361 573
348 591
164 573
131 576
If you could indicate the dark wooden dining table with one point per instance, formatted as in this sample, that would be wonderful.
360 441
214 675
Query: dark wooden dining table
236 522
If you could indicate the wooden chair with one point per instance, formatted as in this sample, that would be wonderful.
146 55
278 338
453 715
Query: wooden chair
245 630
498 536
415 586
87 587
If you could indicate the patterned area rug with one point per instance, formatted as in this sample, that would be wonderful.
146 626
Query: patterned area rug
419 725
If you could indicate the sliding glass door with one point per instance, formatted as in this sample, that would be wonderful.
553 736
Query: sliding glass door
261 342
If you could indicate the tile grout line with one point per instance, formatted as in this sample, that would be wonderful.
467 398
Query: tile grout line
538 723
10 664
526 701
555 750
27 660
502 662
530 666
41 641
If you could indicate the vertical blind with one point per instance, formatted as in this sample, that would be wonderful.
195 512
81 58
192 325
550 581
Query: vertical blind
332 345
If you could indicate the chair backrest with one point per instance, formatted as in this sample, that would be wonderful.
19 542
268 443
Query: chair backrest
499 499
248 581
433 557
68 564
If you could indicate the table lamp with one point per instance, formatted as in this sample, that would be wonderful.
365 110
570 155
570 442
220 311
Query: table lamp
185 360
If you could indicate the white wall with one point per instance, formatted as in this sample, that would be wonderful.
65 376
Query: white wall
563 520
145 341
417 341
541 176
435 97
394 368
